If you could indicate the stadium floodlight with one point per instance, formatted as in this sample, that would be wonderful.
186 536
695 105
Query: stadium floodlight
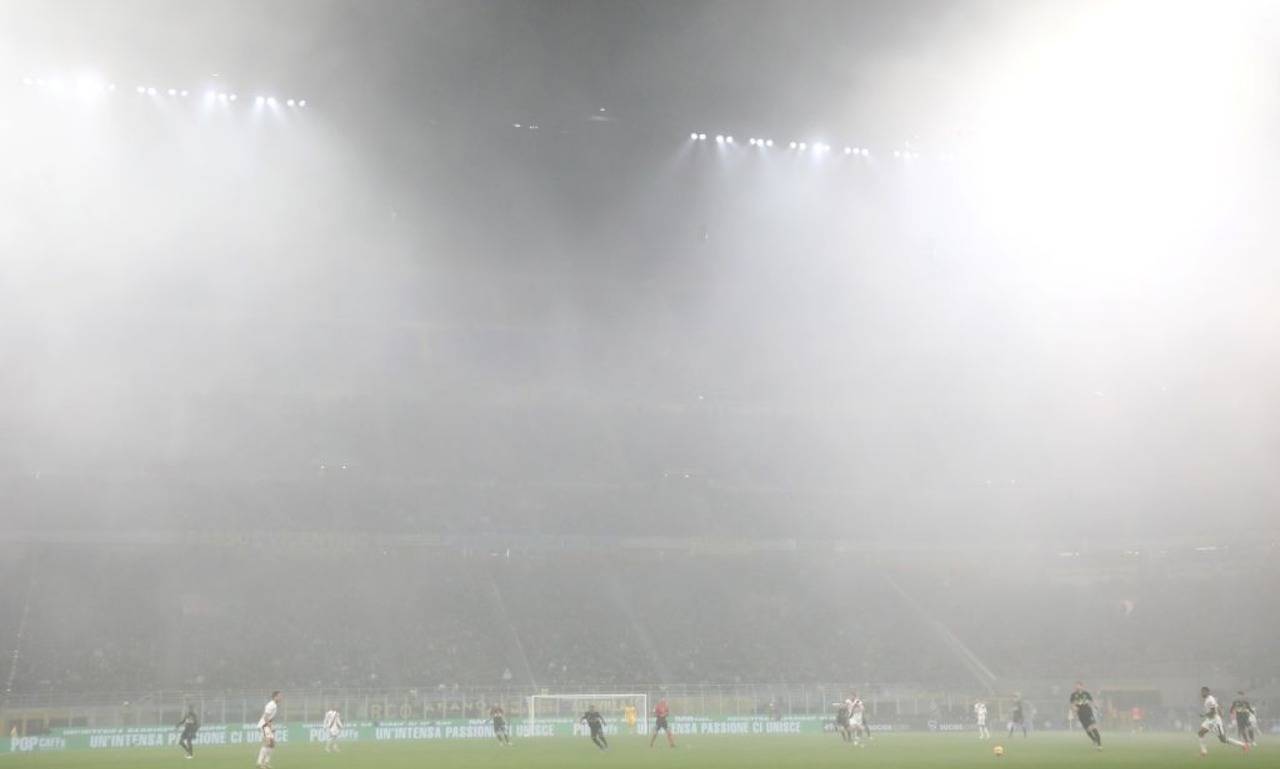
848 150
302 102
866 152
28 81
719 138
271 100
111 87
793 145
702 137
803 146
897 153
692 137
728 140
184 93
768 143
141 89
151 92
289 102
260 100
173 91
233 97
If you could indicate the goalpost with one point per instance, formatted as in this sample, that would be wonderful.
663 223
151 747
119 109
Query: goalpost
572 706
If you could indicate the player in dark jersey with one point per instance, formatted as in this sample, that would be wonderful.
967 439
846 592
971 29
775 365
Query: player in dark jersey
1082 704
189 725
843 713
1246 718
661 712
499 717
1018 718
595 722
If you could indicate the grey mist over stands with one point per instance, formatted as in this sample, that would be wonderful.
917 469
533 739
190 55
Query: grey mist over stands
477 370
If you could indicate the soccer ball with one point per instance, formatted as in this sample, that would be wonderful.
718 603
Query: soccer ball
999 751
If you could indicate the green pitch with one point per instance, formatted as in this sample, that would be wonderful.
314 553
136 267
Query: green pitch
888 751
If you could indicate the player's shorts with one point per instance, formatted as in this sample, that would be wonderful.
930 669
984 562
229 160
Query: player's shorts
1243 722
661 723
499 726
268 734
1086 719
334 732
842 721
1213 725
982 720
856 719
188 733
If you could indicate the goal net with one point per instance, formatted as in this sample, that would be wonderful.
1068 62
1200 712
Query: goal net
570 707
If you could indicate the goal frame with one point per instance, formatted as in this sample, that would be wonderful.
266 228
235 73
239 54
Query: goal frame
642 701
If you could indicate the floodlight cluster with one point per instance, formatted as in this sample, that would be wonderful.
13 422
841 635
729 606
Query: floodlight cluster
93 85
795 145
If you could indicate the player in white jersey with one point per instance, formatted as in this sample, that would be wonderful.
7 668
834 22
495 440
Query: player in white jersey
268 727
980 713
857 711
332 728
1212 723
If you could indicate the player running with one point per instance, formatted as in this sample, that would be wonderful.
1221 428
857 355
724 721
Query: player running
980 713
1246 719
333 729
661 712
267 725
1212 723
189 726
1082 704
595 722
1018 718
499 718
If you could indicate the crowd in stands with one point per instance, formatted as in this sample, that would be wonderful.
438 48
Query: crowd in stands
140 619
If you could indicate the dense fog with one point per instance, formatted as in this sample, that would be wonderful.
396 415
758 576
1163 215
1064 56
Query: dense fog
482 342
